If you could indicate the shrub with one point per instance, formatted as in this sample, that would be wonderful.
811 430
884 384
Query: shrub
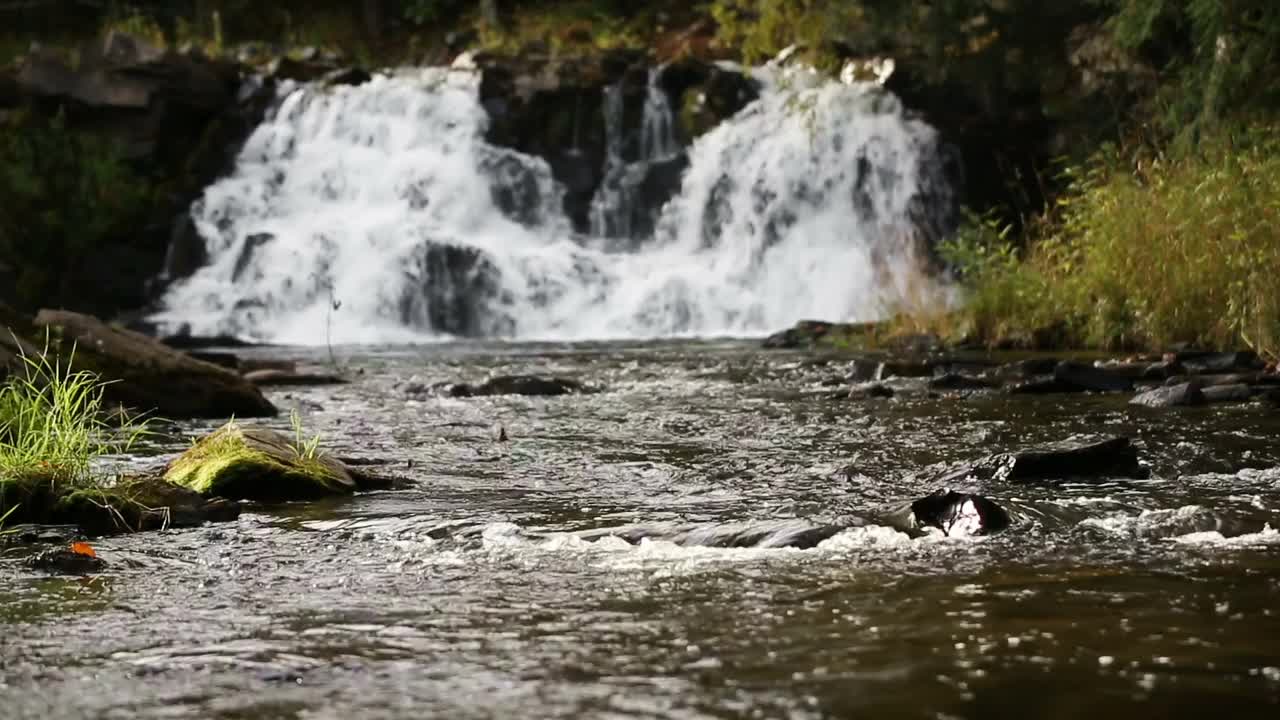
1172 249
1148 251
1003 299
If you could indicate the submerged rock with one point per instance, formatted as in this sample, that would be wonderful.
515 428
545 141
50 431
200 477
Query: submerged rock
251 463
1113 457
519 385
955 514
268 377
794 533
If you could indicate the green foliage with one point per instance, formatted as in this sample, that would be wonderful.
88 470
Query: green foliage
996 44
240 462
1003 296
307 449
1145 251
65 193
1169 249
1220 58
53 430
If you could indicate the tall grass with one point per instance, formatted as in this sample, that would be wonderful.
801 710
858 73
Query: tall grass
53 428
1144 251
307 448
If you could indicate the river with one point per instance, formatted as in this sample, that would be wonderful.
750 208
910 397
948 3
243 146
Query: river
468 595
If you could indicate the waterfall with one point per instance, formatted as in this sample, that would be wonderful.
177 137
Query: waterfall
379 211
617 203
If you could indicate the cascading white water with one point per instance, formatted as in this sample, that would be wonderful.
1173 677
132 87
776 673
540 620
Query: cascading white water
378 213
615 204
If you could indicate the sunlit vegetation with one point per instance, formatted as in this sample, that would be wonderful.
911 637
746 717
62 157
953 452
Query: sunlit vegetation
55 429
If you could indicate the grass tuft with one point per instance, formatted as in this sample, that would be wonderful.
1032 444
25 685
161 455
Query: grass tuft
54 428
307 448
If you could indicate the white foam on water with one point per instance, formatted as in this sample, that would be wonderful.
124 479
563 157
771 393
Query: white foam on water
1268 536
508 543
1157 523
378 213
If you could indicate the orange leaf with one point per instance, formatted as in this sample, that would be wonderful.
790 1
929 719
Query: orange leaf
83 548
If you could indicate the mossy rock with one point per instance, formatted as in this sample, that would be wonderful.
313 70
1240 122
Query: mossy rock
251 463
134 504
140 504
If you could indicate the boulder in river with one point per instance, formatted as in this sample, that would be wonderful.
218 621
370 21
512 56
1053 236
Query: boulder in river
251 463
1091 378
1184 394
1236 392
1113 457
145 374
959 514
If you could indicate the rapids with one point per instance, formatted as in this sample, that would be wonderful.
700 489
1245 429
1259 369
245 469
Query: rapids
483 592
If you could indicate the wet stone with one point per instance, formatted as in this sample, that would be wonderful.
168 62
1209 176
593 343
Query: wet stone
1182 395
253 463
1113 457
1220 362
63 561
870 390
906 369
519 385
1212 380
1029 368
956 381
1227 393
1090 378
270 377
959 514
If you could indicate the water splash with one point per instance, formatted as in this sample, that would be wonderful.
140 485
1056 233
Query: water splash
386 200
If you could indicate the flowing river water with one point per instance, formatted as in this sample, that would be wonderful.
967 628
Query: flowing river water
467 594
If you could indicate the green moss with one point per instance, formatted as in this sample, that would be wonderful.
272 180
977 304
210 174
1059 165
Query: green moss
238 462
